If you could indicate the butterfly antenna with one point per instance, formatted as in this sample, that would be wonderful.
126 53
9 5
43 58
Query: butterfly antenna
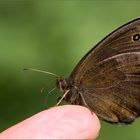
62 97
41 71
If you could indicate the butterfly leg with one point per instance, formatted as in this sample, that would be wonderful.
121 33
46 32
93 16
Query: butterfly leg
85 104
58 99
61 98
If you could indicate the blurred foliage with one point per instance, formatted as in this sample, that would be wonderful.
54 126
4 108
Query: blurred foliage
52 35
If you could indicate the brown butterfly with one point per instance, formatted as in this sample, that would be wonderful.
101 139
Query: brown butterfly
107 79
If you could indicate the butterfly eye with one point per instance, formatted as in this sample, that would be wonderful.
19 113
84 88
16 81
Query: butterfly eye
136 37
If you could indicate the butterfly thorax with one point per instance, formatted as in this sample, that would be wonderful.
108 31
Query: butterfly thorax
73 96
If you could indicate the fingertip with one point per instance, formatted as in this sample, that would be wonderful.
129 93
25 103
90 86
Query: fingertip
78 121
62 122
87 124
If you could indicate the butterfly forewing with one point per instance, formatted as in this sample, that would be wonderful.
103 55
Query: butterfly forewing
119 41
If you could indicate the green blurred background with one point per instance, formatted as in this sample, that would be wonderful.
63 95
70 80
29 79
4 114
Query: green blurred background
52 35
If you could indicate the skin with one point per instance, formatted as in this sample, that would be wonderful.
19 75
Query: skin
61 122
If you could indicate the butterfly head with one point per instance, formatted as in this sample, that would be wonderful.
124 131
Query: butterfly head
62 84
70 92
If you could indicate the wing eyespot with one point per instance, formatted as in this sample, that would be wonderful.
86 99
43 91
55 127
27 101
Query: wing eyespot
136 37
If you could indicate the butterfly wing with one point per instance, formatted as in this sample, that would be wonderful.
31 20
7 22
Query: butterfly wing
119 41
109 75
112 89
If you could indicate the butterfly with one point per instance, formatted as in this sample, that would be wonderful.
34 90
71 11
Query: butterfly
107 79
